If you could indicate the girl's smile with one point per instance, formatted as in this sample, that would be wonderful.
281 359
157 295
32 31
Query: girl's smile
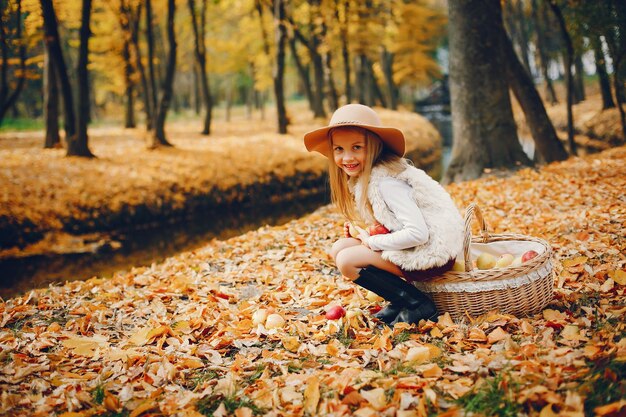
349 151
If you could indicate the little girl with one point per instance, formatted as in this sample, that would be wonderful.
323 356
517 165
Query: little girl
372 182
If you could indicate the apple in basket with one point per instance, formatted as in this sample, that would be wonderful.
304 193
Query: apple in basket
527 256
459 266
504 260
485 261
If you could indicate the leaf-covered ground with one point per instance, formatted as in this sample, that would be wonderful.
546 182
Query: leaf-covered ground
43 191
190 337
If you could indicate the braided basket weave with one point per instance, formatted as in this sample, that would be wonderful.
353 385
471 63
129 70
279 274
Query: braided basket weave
519 290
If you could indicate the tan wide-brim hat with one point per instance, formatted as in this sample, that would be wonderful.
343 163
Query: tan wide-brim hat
354 115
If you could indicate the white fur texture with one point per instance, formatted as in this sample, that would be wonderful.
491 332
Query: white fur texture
443 219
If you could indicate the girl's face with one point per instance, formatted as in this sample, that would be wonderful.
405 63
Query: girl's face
349 150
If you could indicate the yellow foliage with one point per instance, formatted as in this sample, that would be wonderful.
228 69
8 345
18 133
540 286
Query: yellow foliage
419 30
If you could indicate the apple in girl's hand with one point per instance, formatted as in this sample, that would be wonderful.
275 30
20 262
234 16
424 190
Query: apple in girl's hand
485 261
504 260
353 231
378 229
527 256
335 312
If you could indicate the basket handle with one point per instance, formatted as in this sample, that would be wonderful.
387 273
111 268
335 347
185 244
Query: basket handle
471 211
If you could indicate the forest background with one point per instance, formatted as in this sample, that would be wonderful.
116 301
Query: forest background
110 122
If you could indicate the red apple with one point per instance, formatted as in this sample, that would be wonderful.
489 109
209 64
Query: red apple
527 256
378 229
335 312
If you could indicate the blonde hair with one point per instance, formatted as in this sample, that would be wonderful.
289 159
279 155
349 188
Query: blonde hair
375 154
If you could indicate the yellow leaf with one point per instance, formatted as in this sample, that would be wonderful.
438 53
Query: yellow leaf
579 260
140 338
571 332
547 411
433 371
376 397
311 395
143 407
445 321
553 315
418 354
616 408
291 343
85 346
496 335
618 276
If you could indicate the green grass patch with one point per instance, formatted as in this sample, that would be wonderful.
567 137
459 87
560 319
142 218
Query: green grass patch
21 124
98 394
606 383
199 377
345 336
495 397
208 405
401 337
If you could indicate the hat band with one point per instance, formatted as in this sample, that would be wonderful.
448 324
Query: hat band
352 122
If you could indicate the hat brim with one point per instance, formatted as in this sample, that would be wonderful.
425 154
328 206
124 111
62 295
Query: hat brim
317 140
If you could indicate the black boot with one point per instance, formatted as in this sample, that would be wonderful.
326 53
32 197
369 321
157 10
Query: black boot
411 304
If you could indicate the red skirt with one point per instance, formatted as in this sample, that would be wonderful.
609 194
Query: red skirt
426 274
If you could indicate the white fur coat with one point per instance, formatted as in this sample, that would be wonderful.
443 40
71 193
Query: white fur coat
445 225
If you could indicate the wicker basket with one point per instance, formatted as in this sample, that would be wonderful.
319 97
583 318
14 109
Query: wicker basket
519 290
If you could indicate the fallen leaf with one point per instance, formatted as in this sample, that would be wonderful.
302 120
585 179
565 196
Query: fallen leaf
311 395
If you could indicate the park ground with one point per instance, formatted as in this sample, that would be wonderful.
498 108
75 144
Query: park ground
187 336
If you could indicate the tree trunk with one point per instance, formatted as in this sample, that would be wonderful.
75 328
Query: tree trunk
548 145
569 82
579 80
316 59
51 102
53 41
135 18
200 54
485 134
279 69
152 94
392 89
125 22
543 56
345 50
159 138
377 92
77 145
603 76
7 101
303 71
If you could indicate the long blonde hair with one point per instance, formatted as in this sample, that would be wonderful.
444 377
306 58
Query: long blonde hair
375 153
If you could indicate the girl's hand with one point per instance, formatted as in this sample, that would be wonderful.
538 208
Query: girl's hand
363 237
346 229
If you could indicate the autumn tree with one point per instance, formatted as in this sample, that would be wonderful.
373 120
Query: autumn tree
10 39
569 81
77 144
547 143
53 43
198 23
485 134
158 138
